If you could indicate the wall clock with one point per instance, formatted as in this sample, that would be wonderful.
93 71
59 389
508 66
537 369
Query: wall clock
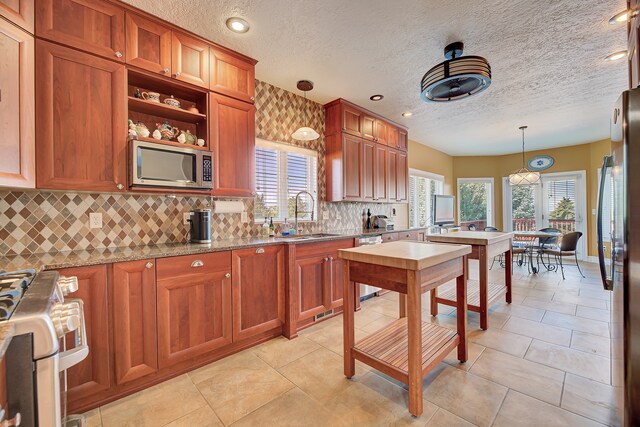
540 163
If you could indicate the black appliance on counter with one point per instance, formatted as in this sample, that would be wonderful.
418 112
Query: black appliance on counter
200 226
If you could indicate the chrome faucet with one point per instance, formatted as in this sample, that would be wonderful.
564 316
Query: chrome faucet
313 204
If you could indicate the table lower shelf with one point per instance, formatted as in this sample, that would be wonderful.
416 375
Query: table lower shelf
387 349
447 294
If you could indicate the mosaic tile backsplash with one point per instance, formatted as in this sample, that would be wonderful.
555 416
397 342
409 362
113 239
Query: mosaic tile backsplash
40 221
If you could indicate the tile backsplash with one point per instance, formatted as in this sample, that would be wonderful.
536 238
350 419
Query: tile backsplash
36 221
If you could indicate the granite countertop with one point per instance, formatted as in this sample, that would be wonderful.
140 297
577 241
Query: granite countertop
6 333
79 258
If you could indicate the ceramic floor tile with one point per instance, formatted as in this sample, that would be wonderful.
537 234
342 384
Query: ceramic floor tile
281 351
234 387
463 394
596 293
543 295
530 378
559 307
444 418
589 398
497 319
377 324
587 302
594 313
332 337
520 410
93 418
569 360
580 324
591 344
155 406
504 341
541 331
203 417
522 311
473 350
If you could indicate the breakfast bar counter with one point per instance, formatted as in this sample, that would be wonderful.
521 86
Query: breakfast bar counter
408 348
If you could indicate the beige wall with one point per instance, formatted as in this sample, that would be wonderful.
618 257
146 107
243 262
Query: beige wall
431 160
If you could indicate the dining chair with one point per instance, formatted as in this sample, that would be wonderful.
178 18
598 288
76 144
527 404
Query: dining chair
567 248
547 243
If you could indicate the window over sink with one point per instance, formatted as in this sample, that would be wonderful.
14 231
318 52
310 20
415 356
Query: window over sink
282 171
422 185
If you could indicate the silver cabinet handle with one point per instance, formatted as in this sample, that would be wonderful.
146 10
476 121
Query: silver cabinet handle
260 250
197 263
149 265
326 259
178 73
228 275
119 186
165 70
118 55
253 98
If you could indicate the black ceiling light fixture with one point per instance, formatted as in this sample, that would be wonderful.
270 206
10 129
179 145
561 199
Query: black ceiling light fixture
456 78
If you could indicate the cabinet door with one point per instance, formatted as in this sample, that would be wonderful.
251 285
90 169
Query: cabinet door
337 286
194 315
93 374
633 49
134 320
232 135
352 120
381 131
368 127
17 108
352 165
403 140
392 174
94 26
393 137
368 169
189 59
380 174
232 76
148 44
314 286
20 12
403 177
82 115
258 290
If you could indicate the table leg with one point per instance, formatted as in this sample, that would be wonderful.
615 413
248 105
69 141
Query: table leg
402 301
414 331
348 322
508 273
434 303
484 284
461 311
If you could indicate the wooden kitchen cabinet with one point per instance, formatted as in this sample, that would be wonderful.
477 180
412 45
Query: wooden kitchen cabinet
82 118
403 140
368 127
232 135
189 59
194 306
392 176
232 76
380 174
95 26
20 12
393 137
134 320
93 374
352 164
368 169
352 120
381 132
148 44
403 177
258 290
17 107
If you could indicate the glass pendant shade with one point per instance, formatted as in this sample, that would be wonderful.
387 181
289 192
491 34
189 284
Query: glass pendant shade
524 176
305 134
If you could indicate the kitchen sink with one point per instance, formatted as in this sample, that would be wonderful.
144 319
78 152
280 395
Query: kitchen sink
307 236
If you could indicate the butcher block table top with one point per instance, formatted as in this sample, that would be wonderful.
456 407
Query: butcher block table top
407 255
483 238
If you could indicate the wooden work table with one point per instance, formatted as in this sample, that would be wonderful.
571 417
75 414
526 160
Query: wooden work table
481 293
408 348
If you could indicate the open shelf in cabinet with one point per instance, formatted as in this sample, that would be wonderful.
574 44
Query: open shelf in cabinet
172 143
164 110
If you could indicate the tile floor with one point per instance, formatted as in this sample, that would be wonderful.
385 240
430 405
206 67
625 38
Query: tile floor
543 361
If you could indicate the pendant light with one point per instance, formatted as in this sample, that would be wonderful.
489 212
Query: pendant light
524 176
305 133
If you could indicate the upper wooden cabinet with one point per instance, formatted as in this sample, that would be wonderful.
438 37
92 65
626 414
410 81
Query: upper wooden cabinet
17 107
380 172
352 119
81 116
189 59
403 140
232 136
232 76
381 132
148 44
368 127
398 175
258 290
368 169
94 26
20 12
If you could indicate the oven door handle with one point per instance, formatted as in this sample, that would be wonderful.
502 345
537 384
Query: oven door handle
72 357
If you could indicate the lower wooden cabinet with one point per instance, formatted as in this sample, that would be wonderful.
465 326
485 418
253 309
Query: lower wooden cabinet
194 308
93 374
134 320
258 290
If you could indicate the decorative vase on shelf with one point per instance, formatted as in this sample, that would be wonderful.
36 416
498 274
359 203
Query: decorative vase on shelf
156 134
142 129
167 131
189 137
181 138
172 102
193 109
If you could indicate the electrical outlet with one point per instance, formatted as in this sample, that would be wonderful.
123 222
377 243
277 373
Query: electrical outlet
244 217
186 218
95 220
338 217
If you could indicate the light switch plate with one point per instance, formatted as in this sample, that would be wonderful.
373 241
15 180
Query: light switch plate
244 217
95 220
186 216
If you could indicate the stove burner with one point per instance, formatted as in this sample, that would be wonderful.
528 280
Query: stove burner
12 286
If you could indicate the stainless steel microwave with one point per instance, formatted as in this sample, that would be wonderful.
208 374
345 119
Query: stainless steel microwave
160 165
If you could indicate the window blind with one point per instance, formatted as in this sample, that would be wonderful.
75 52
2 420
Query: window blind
420 191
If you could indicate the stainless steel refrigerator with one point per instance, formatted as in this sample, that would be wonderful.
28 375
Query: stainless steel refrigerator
621 274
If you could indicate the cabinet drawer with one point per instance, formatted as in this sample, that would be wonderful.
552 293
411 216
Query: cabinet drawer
193 264
409 235
321 248
390 237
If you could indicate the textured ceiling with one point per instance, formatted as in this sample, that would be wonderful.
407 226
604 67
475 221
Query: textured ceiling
546 56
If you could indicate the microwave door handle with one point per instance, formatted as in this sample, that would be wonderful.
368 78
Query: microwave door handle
606 281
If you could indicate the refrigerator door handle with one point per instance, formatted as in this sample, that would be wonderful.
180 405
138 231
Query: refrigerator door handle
607 282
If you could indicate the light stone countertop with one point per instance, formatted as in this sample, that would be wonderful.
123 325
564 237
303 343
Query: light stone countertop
6 333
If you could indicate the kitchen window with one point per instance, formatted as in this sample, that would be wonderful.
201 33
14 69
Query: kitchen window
422 185
475 202
282 171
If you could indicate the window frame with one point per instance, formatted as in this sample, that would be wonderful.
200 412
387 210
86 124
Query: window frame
490 203
427 175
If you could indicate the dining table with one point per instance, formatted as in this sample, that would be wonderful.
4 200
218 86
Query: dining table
530 237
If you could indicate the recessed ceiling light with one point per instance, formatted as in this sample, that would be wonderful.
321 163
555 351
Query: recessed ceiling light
376 97
237 25
619 17
616 55
407 114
